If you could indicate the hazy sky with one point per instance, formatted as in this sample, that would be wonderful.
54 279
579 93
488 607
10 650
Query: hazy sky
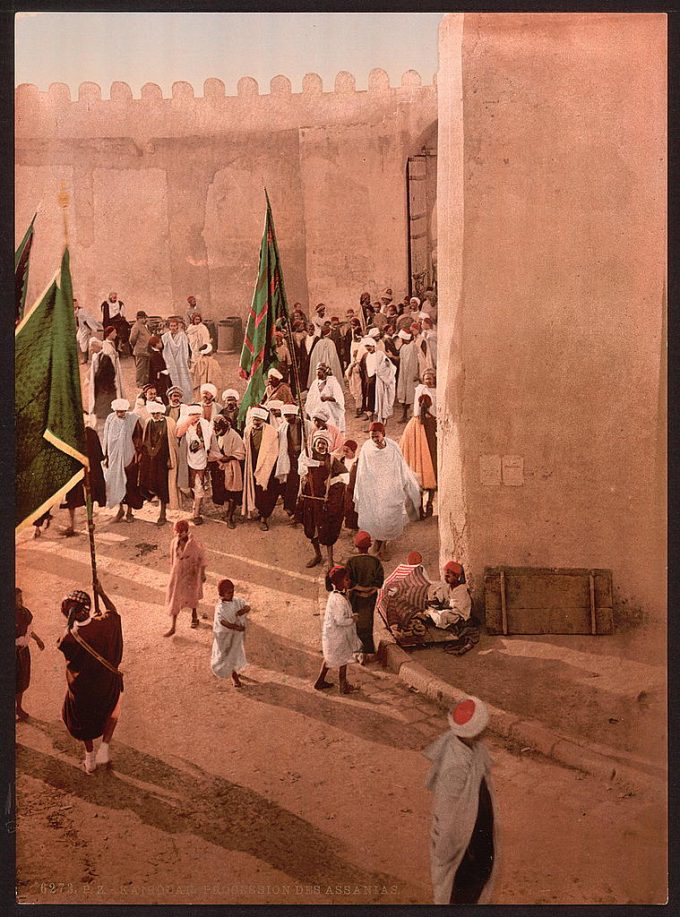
161 48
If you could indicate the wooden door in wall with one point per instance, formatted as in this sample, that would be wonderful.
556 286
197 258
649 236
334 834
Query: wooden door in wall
421 197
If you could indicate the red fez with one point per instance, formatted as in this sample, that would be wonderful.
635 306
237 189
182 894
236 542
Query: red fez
453 567
225 585
464 711
363 540
415 327
376 427
425 399
414 558
337 574
181 526
350 443
108 330
155 341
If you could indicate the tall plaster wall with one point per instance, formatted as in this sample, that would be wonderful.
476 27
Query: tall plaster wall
167 194
552 195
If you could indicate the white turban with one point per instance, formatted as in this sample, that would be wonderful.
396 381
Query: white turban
374 333
155 407
321 434
262 413
275 405
275 373
290 409
423 315
229 393
415 300
368 342
120 404
404 335
206 350
321 414
209 387
194 409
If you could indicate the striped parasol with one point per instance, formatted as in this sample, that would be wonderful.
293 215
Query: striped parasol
404 593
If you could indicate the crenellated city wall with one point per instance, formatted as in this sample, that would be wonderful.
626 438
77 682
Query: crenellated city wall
167 193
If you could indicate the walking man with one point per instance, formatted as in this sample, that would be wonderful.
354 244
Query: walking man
261 489
93 648
185 589
121 446
386 492
176 356
462 842
139 342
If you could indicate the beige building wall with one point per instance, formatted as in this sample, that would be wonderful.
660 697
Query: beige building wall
552 234
167 194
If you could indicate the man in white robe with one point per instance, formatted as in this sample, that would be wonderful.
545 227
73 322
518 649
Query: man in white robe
87 327
260 487
463 845
408 374
324 352
121 445
197 335
105 379
427 387
386 492
326 391
176 356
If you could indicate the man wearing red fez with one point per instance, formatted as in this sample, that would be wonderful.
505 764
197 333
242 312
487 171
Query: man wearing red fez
386 493
453 595
368 576
462 837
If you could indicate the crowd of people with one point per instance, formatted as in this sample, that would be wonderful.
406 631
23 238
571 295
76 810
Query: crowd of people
183 441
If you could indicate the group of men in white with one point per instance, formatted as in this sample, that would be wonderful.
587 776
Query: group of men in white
183 438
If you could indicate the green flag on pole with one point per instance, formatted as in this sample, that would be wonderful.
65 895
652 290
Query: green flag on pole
21 259
50 431
269 304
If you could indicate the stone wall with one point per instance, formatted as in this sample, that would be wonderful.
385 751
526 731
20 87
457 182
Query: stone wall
167 194
552 234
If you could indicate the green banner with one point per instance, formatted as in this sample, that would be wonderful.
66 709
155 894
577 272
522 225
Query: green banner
50 431
21 261
269 304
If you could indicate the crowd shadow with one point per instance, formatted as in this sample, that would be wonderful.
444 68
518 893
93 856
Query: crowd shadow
364 723
221 812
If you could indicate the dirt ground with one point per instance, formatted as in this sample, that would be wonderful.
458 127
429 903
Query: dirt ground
274 794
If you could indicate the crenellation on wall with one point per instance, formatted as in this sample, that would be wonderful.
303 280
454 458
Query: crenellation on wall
247 86
182 92
151 92
214 89
312 84
345 82
378 80
89 92
280 86
120 92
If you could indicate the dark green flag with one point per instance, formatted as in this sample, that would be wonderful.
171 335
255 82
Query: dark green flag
269 304
21 259
51 447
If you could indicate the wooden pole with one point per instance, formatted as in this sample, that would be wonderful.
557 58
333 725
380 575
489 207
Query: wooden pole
63 199
593 615
504 607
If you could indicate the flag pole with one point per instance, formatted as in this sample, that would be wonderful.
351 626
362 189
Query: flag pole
63 199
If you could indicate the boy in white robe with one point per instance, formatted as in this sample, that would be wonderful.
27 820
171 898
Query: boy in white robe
229 625
176 356
339 642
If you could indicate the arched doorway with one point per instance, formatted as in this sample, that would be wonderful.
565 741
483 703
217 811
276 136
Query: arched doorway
421 208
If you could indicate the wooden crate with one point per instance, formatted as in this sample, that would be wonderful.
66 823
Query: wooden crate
539 600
